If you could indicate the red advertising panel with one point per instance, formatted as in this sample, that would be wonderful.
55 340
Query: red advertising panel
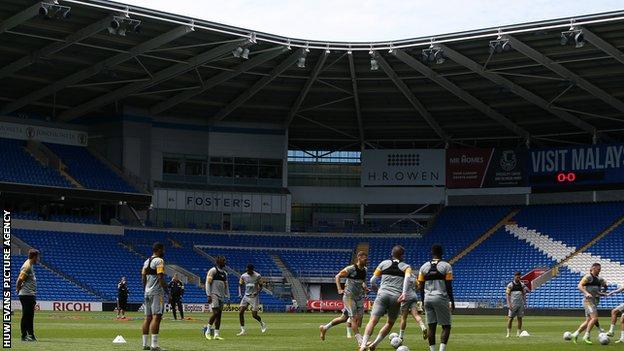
331 305
483 168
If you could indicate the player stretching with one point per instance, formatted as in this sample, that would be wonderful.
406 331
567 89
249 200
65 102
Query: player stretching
353 296
592 287
252 283
155 289
412 305
614 316
394 274
217 290
516 301
435 281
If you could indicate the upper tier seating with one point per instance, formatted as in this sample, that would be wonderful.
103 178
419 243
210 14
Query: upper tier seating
88 170
20 167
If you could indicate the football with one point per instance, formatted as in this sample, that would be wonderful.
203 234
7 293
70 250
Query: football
403 348
603 338
567 336
396 342
392 336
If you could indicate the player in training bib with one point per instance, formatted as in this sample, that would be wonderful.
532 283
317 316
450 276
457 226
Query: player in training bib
217 291
252 283
619 310
353 296
435 281
412 305
516 301
592 286
153 277
394 275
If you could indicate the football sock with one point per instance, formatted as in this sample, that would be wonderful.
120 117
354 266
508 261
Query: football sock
144 338
154 340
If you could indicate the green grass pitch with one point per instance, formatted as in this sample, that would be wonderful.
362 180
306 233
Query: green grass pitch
96 330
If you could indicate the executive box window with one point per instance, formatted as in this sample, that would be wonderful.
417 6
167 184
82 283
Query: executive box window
195 167
172 166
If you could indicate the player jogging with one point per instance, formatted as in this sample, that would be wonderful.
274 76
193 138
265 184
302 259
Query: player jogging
614 316
252 283
412 305
592 286
218 291
435 281
516 302
155 289
353 296
394 274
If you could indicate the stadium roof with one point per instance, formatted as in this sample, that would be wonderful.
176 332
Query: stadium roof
72 68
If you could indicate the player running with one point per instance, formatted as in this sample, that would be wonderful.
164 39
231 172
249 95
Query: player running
412 305
592 286
516 301
353 296
614 317
252 282
155 289
394 274
435 281
218 291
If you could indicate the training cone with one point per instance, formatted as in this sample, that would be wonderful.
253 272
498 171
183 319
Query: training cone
524 334
119 340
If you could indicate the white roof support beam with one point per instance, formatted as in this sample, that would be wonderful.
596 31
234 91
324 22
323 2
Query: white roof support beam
356 98
216 80
460 93
259 85
20 17
111 62
157 78
55 47
418 106
565 73
516 89
306 88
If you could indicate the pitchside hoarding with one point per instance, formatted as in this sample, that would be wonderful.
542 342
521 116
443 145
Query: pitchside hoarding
485 168
577 165
403 167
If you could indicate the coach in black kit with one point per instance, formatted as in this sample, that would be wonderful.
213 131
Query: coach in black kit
176 291
122 298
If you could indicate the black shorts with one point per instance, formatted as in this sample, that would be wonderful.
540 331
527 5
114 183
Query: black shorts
123 303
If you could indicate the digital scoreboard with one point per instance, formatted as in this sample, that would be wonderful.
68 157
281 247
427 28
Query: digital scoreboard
577 167
567 178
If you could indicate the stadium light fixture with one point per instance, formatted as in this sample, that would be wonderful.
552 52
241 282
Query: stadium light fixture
238 52
573 36
434 54
374 65
122 24
301 61
52 10
499 45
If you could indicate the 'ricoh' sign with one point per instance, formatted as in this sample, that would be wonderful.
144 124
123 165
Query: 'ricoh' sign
403 167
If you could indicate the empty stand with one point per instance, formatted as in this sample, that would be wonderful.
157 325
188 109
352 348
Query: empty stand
20 167
88 170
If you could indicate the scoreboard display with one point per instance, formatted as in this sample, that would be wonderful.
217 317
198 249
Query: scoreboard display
576 166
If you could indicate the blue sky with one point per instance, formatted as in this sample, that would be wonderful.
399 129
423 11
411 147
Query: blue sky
375 20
